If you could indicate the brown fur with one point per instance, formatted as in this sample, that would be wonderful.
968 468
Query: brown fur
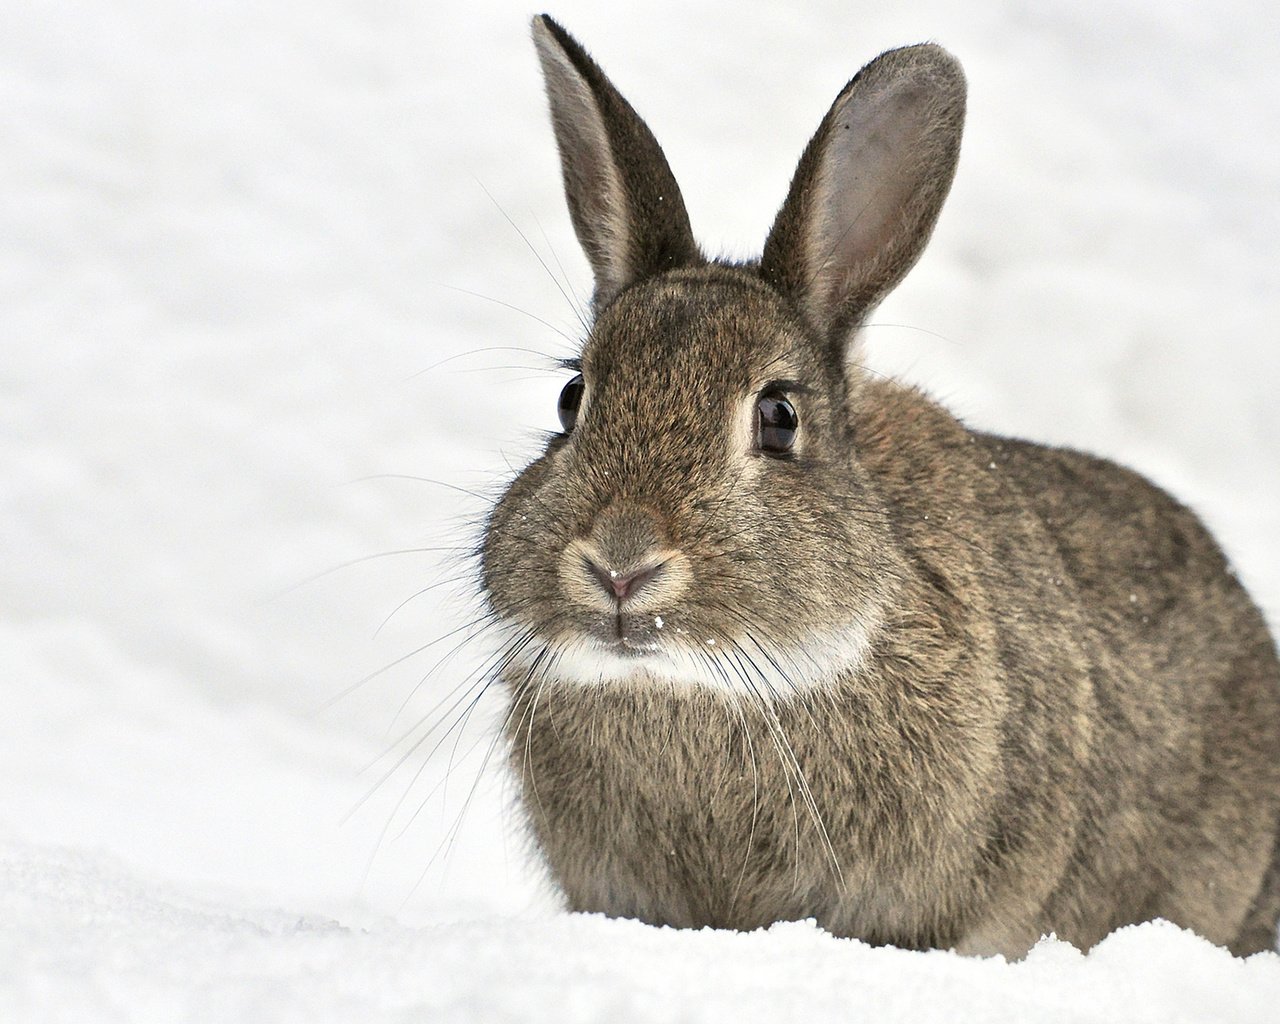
1065 716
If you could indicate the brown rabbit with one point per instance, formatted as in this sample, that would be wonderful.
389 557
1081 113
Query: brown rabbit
786 640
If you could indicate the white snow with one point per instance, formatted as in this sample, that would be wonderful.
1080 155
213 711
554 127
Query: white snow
256 274
98 943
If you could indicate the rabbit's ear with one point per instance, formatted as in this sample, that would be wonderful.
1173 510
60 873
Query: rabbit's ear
869 187
627 211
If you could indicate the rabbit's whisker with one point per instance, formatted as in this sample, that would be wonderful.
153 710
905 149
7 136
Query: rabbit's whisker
769 708
553 361
745 732
579 310
495 664
417 594
483 678
348 690
440 549
536 255
440 662
487 499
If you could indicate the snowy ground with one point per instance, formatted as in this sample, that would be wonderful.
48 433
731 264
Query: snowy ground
237 242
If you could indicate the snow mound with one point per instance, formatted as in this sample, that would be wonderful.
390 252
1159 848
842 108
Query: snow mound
83 940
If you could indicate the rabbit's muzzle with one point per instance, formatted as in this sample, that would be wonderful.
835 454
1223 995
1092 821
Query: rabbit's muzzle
624 574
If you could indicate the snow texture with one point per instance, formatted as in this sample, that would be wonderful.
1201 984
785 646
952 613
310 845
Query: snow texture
258 271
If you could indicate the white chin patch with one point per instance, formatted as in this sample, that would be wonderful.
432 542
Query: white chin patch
729 665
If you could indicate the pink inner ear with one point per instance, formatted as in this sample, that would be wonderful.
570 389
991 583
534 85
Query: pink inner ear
868 184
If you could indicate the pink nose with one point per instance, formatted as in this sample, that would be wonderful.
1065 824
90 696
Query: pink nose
623 585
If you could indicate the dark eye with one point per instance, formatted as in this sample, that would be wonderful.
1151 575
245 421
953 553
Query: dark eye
776 423
570 399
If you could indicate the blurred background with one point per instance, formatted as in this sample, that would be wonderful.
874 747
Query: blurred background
263 264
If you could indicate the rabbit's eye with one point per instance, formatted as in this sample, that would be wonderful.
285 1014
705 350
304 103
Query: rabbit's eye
570 399
776 423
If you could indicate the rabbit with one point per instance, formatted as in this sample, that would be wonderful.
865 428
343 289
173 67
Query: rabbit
783 639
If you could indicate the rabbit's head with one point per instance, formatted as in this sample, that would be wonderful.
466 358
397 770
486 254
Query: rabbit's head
704 519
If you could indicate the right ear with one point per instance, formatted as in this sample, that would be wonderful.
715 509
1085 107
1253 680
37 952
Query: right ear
869 188
626 208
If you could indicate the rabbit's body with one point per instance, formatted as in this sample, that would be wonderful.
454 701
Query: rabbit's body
927 686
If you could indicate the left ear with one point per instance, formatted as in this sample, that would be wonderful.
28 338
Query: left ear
869 188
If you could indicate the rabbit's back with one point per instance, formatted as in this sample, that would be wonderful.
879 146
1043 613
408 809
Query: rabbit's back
1166 606
1188 722
1118 611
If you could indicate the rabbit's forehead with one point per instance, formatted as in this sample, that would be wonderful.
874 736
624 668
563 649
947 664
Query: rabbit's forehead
726 330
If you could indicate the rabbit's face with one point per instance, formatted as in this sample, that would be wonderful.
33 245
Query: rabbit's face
704 520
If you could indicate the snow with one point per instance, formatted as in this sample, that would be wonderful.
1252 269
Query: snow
93 941
241 249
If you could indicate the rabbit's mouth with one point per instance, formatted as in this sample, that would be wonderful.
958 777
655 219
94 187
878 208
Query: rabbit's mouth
627 635
685 652
632 649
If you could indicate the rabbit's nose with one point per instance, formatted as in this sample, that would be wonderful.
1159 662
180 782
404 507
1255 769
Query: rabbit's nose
606 582
621 585
624 564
